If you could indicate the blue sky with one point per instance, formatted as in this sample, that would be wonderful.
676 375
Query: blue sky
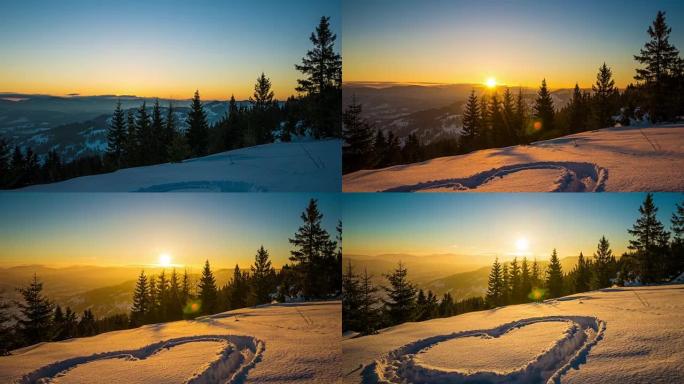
134 229
517 42
164 48
490 224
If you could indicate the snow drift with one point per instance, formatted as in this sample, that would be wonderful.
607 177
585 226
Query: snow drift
281 343
614 335
313 166
612 159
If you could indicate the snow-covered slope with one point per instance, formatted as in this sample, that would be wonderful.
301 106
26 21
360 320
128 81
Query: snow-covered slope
313 166
615 335
286 343
611 159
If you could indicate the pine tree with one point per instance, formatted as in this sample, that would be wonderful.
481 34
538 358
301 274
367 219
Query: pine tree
132 149
262 284
198 128
661 63
34 323
446 306
604 95
525 281
505 285
87 326
400 304
158 130
579 118
554 276
495 285
368 305
175 308
152 300
516 283
520 117
498 126
602 265
207 290
232 134
57 323
116 135
144 135
582 274
310 242
650 239
471 123
536 274
185 288
351 299
544 110
140 308
163 293
32 170
485 138
170 133
358 139
675 263
509 118
238 290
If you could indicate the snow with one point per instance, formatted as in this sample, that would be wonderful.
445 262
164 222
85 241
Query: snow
615 335
274 343
280 167
612 159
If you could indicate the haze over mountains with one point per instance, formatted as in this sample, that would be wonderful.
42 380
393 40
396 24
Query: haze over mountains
432 111
75 125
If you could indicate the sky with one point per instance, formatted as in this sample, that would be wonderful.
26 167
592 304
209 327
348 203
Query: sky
121 229
488 225
162 48
516 42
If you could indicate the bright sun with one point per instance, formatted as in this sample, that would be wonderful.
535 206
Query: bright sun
491 82
522 244
165 260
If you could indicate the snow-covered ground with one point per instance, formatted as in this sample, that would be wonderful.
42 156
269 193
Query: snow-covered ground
282 343
612 159
615 335
311 166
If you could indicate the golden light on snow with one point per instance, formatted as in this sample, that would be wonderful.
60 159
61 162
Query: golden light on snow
521 244
165 260
491 82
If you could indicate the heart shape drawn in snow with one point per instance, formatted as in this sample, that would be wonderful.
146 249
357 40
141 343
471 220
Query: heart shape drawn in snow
238 355
412 362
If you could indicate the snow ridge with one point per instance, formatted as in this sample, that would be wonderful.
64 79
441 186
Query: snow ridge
402 364
240 354
575 177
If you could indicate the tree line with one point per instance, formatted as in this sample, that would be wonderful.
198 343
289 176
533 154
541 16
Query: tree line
313 272
493 121
147 136
655 256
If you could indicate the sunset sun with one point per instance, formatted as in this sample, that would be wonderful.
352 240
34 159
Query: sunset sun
164 260
522 244
491 82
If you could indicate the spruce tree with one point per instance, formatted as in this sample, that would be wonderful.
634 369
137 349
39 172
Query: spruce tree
152 300
498 135
536 274
170 133
495 285
116 135
207 290
175 306
232 134
602 265
7 337
132 150
520 117
262 284
380 149
661 64
400 304
578 120
485 139
163 293
471 123
582 274
650 239
515 281
554 276
509 118
505 285
675 263
525 281
322 66
157 141
604 95
140 308
34 322
144 135
368 313
544 110
185 288
87 325
238 289
57 323
198 128
351 300
357 150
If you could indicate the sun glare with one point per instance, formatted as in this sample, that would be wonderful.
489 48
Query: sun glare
165 260
491 82
522 244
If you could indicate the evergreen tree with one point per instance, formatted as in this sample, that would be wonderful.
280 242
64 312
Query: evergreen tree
207 290
87 326
152 300
544 110
140 308
34 323
262 122
198 128
400 304
368 313
554 276
170 132
536 274
175 305
57 323
238 289
498 126
233 136
495 285
509 118
485 123
604 95
525 281
69 327
582 274
676 261
158 130
185 288
661 63
4 166
579 116
144 135
380 148
446 306
351 299
358 139
116 135
32 170
650 239
262 284
602 265
471 123
520 117
163 294
505 285
132 149
515 281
